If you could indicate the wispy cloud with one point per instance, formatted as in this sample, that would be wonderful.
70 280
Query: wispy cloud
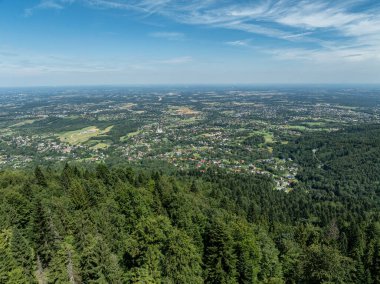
238 42
48 4
169 35
20 62
329 56
23 62
338 28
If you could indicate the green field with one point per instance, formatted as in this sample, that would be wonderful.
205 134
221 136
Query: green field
99 146
24 122
296 127
130 135
81 136
315 123
268 136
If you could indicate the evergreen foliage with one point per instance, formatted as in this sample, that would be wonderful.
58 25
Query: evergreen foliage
121 225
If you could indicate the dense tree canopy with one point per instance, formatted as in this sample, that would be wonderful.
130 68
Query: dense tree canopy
122 225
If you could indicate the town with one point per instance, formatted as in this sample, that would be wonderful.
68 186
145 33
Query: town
239 130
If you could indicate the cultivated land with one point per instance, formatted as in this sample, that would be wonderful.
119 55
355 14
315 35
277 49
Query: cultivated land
81 136
163 185
234 129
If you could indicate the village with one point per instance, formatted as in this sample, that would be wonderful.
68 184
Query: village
236 131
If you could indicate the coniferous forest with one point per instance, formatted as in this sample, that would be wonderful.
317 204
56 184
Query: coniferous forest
120 224
189 142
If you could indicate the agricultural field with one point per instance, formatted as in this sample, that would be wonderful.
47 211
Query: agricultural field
83 135
238 130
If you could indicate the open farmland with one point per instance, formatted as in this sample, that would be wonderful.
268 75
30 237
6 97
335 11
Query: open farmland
81 136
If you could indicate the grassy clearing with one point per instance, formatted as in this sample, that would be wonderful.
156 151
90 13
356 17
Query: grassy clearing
228 112
73 117
100 146
189 120
296 127
243 104
211 103
127 106
268 136
6 131
347 107
183 111
81 136
130 135
24 122
315 124
196 155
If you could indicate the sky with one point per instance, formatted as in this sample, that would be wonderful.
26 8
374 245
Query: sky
101 42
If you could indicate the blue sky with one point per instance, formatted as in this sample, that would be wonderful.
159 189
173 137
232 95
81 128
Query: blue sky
86 42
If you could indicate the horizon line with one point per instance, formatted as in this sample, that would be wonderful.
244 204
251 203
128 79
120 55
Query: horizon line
189 85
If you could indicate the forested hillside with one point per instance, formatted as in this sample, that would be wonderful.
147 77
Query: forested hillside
123 225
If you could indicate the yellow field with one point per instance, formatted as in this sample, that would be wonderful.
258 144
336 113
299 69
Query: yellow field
183 111
127 105
82 135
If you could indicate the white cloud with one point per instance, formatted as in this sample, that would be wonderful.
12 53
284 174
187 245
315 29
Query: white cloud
239 42
48 4
311 15
327 56
20 62
301 21
168 35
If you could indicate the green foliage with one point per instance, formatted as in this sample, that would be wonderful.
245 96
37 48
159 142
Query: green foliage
219 259
40 177
121 225
247 251
98 264
158 251
324 264
270 266
64 266
11 263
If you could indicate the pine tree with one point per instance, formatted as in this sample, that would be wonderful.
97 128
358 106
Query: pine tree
40 177
194 187
66 176
10 271
42 234
219 260
270 265
64 266
247 253
78 194
372 262
182 262
98 264
23 254
103 173
324 264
